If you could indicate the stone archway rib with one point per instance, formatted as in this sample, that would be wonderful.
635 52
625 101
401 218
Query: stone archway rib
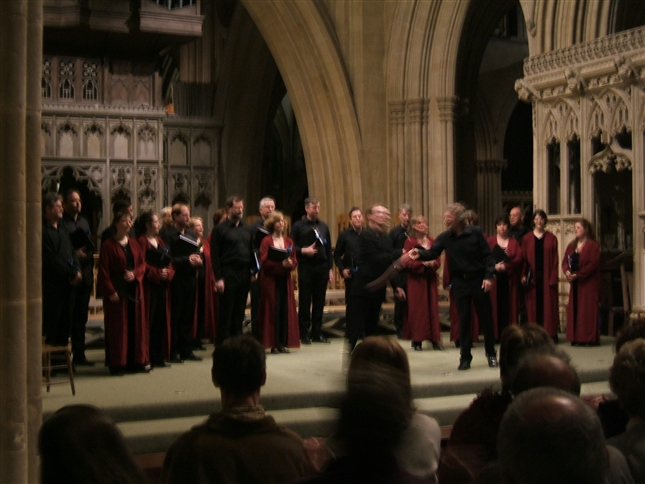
304 48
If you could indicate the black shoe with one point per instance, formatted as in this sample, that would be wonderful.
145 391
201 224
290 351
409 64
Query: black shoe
284 349
417 346
274 351
175 359
492 362
464 365
192 357
160 364
437 347
305 340
82 362
320 339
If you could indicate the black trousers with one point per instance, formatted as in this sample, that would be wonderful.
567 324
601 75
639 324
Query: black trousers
232 302
312 287
157 306
57 313
363 313
255 307
80 303
182 297
466 291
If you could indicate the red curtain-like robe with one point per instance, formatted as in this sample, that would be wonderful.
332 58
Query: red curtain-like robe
211 301
112 259
421 317
266 315
514 270
584 294
153 275
551 272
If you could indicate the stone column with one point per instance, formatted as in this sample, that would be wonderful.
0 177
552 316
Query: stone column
489 192
20 318
443 163
396 151
416 166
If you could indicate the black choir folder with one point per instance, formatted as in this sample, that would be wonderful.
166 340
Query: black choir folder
80 239
278 255
158 258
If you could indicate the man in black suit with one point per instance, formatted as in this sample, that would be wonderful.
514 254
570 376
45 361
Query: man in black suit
60 272
375 256
185 260
347 248
231 255
79 229
315 269
399 235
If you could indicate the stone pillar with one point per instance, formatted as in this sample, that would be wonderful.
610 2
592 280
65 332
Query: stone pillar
443 163
416 166
396 151
20 409
489 192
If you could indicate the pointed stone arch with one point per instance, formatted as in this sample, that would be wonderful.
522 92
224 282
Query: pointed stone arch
305 49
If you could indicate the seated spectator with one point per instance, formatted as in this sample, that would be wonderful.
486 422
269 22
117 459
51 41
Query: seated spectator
240 444
545 368
627 381
550 436
80 444
612 415
370 443
474 434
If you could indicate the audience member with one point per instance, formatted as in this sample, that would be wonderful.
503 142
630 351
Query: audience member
627 381
474 434
550 436
240 444
79 444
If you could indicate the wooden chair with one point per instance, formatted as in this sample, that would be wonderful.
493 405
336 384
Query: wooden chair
48 366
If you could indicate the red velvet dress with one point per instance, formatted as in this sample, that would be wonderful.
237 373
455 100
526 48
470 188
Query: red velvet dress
152 282
584 294
550 272
513 272
112 260
421 317
452 312
270 273
211 302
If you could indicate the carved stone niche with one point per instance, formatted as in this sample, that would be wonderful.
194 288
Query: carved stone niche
121 182
46 138
120 141
179 187
94 140
202 151
67 139
147 193
178 149
147 142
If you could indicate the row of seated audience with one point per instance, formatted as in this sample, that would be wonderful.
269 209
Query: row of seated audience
535 430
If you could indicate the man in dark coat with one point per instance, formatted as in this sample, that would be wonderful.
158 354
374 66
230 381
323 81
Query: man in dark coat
60 273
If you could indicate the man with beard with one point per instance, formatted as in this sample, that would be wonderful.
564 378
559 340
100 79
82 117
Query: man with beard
60 272
231 255
398 236
315 269
375 255
258 232
184 252
79 229
518 231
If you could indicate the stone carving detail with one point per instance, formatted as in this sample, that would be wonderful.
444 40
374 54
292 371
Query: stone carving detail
46 82
202 151
491 166
611 45
121 181
204 195
525 91
67 136
625 68
178 152
92 175
397 112
181 187
607 161
121 136
94 140
90 80
66 79
147 136
575 82
147 193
